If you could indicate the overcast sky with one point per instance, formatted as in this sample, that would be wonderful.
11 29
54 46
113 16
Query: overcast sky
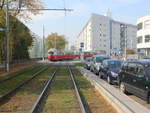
70 25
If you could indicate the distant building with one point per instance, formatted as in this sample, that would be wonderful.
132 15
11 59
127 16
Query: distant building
36 50
143 35
102 34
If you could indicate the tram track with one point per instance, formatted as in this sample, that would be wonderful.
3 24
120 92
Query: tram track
77 91
38 103
64 79
57 88
22 101
11 88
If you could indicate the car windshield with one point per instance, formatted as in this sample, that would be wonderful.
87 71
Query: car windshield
114 64
100 59
88 60
50 53
148 71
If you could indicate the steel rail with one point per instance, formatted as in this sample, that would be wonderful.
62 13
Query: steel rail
77 91
5 96
16 74
38 102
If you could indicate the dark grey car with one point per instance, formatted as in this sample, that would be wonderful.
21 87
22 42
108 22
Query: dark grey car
135 79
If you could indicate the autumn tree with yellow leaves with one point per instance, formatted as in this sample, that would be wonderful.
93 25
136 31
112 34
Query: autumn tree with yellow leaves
21 37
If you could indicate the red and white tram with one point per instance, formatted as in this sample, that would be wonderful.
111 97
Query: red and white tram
56 55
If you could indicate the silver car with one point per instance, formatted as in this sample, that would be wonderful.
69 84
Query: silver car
88 63
97 62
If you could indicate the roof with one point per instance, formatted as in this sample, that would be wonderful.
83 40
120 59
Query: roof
100 56
145 62
113 60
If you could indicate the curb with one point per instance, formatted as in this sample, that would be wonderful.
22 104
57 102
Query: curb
121 102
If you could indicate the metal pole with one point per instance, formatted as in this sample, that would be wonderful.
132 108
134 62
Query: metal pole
7 36
55 41
43 43
126 42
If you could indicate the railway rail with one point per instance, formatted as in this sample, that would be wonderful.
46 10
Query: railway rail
39 103
77 91
13 90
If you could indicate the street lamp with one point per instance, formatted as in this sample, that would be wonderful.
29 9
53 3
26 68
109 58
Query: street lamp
43 43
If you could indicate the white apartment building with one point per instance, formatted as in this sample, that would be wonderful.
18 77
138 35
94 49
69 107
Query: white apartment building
103 34
143 34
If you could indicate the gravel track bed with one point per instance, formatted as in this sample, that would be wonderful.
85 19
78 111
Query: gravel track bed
62 97
25 98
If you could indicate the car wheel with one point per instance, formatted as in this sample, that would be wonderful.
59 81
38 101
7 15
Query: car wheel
108 80
148 98
97 73
91 70
123 88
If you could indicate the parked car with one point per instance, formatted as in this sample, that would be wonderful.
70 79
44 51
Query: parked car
110 69
135 79
96 63
87 63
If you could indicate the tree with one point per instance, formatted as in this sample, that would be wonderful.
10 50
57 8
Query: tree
17 5
56 41
73 48
20 36
21 39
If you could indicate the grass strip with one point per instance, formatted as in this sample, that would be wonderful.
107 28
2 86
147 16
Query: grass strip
94 102
8 85
79 64
17 72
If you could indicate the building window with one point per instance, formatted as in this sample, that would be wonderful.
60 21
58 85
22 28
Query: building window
140 26
147 24
139 39
147 38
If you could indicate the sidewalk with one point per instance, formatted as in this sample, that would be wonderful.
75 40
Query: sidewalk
121 102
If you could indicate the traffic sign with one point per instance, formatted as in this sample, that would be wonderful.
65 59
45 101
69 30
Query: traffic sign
81 44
